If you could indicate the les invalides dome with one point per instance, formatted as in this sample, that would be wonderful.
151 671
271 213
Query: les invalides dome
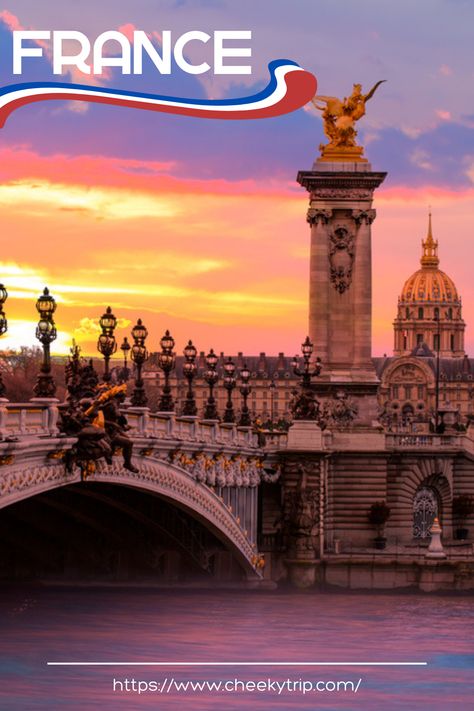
429 309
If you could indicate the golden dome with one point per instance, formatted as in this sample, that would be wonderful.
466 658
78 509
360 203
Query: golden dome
430 284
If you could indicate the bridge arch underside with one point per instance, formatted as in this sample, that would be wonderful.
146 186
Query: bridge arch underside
102 531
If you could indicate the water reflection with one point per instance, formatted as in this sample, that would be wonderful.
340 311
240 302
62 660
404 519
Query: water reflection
163 625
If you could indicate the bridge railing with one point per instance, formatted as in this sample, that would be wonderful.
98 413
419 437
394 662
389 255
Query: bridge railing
421 441
36 418
168 425
40 418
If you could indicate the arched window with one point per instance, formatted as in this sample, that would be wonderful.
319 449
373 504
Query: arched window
425 510
420 312
436 313
450 313
452 341
407 312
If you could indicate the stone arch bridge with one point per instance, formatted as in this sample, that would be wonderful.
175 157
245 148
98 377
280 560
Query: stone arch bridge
209 470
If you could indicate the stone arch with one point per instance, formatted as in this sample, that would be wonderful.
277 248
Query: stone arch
168 481
406 480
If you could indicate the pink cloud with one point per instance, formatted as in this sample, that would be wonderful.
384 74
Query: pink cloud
11 20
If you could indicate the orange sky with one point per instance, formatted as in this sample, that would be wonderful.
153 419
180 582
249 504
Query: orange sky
222 263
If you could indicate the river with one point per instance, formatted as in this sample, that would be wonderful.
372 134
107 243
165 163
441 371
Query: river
41 624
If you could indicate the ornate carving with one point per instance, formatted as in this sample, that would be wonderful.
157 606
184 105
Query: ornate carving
315 215
341 411
13 482
341 194
219 470
341 257
304 405
364 216
301 513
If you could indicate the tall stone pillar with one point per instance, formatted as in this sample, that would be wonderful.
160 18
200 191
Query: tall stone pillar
340 215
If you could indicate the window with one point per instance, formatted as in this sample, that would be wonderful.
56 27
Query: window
420 312
407 392
452 341
419 339
421 392
436 342
405 343
436 313
407 312
395 392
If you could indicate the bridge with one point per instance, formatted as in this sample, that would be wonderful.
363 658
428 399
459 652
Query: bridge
206 469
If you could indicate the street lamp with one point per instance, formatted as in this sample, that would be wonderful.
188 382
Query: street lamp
106 344
3 329
166 361
46 333
245 390
125 348
189 371
139 355
306 373
229 384
211 377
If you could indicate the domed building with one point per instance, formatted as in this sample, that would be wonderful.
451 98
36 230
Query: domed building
429 308
429 370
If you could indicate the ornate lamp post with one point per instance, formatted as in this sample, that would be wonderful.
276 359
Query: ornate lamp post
211 377
305 406
125 348
245 390
3 329
229 384
306 374
166 361
106 344
139 355
46 333
189 370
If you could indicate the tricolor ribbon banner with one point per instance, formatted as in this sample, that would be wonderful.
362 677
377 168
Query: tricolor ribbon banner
290 88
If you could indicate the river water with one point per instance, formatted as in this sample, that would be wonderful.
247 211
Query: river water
124 625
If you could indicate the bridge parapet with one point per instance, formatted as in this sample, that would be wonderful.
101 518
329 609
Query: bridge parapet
169 426
39 418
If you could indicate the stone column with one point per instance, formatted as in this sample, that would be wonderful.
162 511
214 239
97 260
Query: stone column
363 290
340 309
318 281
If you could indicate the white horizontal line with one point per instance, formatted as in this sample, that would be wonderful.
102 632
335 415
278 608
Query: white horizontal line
237 664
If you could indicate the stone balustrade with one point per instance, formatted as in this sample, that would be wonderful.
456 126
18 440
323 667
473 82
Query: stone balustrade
40 418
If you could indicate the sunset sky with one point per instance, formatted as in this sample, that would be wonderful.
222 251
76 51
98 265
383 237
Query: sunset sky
198 225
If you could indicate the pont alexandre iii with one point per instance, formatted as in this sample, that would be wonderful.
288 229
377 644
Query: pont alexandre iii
360 476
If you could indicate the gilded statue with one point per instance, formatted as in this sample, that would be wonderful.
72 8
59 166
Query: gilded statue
340 117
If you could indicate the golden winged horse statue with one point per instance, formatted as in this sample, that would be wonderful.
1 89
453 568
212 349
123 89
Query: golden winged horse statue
340 117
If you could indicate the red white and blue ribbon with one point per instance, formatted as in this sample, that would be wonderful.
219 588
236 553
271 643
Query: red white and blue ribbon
290 88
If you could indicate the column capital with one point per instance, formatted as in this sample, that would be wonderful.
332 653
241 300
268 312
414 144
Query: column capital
363 216
316 215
